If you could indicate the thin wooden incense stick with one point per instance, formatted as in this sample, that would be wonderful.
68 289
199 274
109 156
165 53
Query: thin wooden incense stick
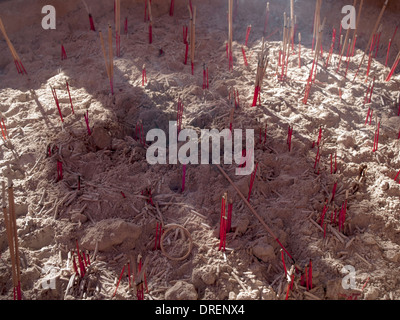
108 60
70 99
17 60
371 37
13 230
118 27
230 34
354 39
150 22
266 18
261 69
192 12
10 240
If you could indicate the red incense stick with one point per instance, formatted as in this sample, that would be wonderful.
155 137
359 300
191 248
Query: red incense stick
390 44
252 178
56 100
310 275
126 26
63 53
150 33
70 99
5 131
171 8
87 122
120 277
144 76
59 171
395 179
393 68
92 28
247 34
244 57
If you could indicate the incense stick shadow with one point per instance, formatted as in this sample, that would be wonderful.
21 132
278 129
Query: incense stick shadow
41 109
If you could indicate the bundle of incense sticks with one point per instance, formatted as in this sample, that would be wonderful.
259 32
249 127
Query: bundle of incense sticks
205 77
150 22
252 178
347 35
183 177
63 53
230 34
17 60
147 193
12 237
3 129
117 17
371 37
252 209
266 18
313 71
158 236
57 103
261 69
396 62
171 8
108 61
390 44
87 122
90 16
222 225
70 99
289 138
319 136
179 115
144 75
288 36
192 39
